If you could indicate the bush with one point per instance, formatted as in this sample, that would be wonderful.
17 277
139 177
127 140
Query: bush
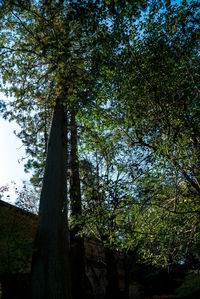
190 288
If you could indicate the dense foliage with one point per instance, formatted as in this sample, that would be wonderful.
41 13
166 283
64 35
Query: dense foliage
142 142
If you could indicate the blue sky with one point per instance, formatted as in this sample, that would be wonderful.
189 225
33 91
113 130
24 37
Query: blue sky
11 151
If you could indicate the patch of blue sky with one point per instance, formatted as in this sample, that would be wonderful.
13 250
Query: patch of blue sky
11 153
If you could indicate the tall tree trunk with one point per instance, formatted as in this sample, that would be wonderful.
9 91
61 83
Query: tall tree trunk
112 289
127 274
77 251
50 275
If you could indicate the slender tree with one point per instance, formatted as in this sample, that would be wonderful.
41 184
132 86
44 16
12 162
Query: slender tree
77 250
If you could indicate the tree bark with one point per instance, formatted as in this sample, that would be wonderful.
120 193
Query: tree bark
77 250
50 274
112 289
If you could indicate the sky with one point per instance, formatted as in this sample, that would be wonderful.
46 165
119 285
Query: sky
11 151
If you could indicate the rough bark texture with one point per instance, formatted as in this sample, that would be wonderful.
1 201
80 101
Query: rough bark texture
50 275
77 251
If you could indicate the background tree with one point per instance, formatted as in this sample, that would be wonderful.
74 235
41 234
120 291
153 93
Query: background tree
77 250
155 107
158 94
